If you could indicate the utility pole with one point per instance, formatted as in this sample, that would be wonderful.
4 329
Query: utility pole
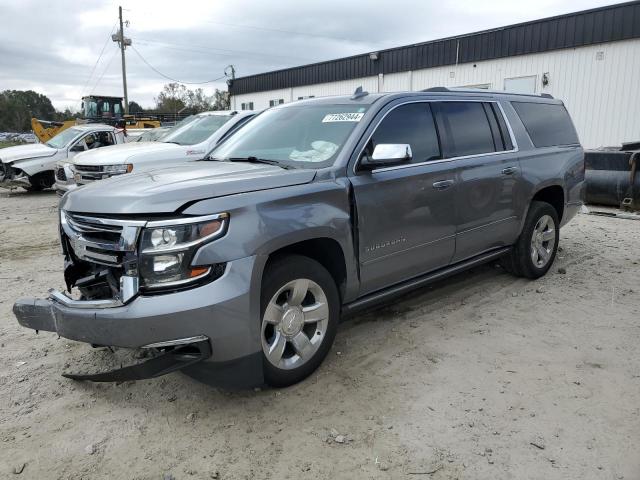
230 82
123 41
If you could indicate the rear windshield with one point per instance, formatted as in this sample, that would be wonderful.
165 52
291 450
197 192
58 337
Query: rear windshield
547 124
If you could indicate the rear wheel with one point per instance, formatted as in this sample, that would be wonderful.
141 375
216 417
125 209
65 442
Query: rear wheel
535 250
300 308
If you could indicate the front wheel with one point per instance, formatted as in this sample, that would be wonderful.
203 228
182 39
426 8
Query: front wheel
536 248
300 309
40 181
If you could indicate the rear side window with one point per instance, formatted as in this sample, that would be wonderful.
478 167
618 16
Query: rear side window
468 129
413 124
547 124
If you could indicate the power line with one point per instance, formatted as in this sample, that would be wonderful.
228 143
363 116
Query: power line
171 78
276 30
97 61
288 32
115 50
204 49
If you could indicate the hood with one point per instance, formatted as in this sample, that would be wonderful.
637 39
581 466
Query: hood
131 152
166 190
22 152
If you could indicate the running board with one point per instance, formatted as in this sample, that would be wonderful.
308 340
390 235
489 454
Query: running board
399 289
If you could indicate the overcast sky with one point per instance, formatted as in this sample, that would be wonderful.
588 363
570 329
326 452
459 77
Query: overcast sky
53 47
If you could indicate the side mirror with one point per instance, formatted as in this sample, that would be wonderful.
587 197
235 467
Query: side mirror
77 148
387 154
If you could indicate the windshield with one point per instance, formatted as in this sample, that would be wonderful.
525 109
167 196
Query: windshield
305 136
153 134
196 130
64 138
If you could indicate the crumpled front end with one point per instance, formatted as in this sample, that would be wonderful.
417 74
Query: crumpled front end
205 322
11 177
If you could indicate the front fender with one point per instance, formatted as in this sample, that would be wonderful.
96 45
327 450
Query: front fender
32 166
263 222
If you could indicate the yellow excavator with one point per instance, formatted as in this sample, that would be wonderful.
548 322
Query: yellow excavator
95 109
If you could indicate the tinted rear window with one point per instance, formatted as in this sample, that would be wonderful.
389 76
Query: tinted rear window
547 124
468 128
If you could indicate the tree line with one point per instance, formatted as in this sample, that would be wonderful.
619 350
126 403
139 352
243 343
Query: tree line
17 107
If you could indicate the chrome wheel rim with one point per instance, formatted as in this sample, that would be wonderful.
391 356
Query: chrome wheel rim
543 241
294 324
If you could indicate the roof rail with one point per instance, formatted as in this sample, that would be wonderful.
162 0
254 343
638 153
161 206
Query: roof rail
481 90
436 89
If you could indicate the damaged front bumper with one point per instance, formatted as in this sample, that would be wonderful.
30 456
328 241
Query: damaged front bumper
176 354
12 178
218 315
22 181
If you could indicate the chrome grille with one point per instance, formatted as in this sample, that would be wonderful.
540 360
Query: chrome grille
100 240
61 175
88 168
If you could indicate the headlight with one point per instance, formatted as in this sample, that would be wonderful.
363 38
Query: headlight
118 169
167 248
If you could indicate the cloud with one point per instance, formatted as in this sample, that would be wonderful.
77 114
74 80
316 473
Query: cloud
52 47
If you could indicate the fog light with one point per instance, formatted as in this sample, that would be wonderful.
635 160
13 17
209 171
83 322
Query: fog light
167 263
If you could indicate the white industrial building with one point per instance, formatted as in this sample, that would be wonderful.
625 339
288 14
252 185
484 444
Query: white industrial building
589 59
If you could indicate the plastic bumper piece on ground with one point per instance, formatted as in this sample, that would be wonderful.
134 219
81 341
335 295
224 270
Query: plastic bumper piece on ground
180 357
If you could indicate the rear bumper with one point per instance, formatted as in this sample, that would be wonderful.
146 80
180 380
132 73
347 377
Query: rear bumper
226 311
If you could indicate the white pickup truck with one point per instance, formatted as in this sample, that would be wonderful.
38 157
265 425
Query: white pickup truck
190 140
32 166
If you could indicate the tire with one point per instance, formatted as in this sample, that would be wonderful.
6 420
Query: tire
293 345
40 181
536 247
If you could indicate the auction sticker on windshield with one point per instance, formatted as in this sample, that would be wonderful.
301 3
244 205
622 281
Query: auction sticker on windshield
342 117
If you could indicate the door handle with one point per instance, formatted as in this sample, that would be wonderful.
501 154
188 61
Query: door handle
443 184
509 170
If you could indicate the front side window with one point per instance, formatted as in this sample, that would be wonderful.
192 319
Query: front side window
411 124
64 138
196 130
308 136
90 108
468 129
548 124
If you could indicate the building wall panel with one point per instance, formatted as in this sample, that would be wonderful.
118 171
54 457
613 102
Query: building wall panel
598 84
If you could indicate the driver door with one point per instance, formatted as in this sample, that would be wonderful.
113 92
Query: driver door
406 212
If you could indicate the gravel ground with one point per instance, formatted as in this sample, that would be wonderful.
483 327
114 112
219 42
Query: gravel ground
483 376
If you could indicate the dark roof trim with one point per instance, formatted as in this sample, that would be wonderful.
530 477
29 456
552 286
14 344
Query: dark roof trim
588 27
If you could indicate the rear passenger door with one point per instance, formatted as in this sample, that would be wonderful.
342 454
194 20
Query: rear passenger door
405 213
488 176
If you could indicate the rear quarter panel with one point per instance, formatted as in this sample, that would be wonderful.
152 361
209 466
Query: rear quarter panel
561 166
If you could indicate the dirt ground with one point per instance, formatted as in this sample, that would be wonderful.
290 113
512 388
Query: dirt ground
483 376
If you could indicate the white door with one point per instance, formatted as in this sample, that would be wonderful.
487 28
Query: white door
525 85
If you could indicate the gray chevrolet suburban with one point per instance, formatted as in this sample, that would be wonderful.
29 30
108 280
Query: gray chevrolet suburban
237 269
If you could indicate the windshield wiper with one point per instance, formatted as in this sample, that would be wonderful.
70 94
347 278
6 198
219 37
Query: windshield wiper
259 160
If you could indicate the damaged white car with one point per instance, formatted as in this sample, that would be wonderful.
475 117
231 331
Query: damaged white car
192 139
32 167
